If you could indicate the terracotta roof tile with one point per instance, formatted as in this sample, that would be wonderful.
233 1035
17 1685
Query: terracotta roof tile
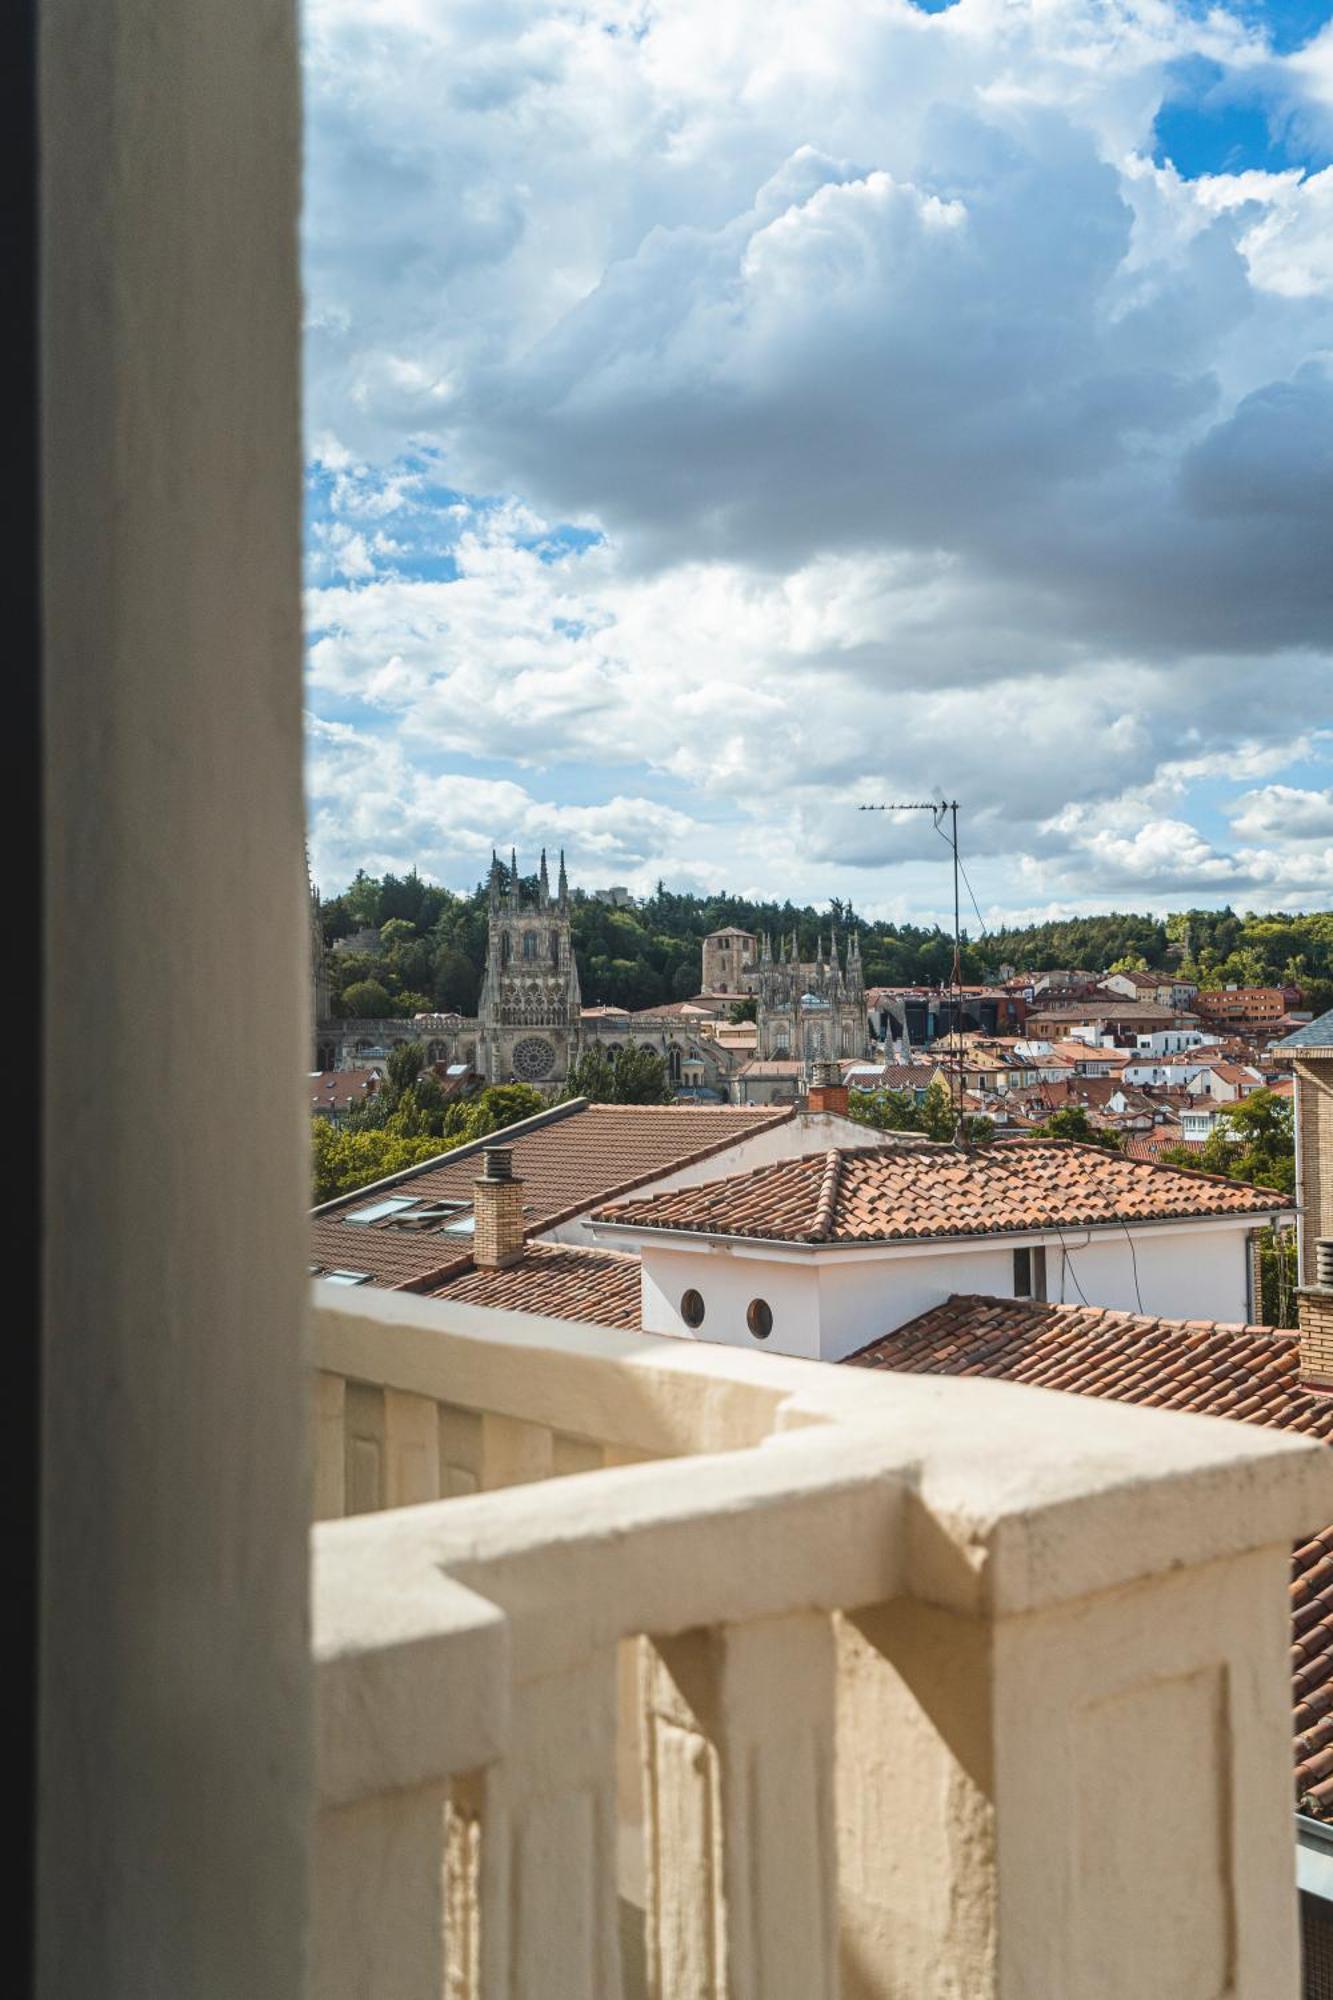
1248 1373
1151 1145
561 1280
923 1190
340 1089
567 1166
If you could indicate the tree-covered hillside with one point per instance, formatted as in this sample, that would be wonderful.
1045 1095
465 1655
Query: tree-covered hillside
433 946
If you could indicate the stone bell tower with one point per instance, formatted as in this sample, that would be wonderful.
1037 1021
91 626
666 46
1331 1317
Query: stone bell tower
530 999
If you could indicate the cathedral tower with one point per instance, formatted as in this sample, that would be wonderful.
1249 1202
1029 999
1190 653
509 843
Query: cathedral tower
530 999
814 1010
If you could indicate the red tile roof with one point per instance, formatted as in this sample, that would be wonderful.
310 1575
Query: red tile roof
1152 1145
560 1280
568 1164
920 1190
340 1089
1104 1007
1245 1372
896 1076
1172 1364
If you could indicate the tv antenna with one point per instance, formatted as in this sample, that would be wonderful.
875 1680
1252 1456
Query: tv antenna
940 811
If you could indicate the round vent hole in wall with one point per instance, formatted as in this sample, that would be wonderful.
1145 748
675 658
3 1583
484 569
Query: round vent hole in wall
692 1308
759 1318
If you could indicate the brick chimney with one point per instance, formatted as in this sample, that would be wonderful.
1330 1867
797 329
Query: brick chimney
827 1090
1314 1312
499 1238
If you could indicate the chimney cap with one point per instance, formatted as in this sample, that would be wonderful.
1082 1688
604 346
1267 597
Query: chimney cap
826 1073
497 1163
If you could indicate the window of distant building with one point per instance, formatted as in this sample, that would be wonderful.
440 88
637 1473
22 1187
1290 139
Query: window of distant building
529 944
1030 1273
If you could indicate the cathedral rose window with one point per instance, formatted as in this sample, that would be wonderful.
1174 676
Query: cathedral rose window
534 1058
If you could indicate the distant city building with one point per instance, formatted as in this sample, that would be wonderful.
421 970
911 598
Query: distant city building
1248 1009
531 1025
528 1015
728 961
810 1010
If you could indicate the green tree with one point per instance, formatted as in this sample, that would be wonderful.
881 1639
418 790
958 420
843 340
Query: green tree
366 1000
1277 1277
633 1076
362 901
456 981
491 1110
936 1114
344 1159
934 1117
744 1010
593 1076
1073 1123
396 932
884 1110
1252 1141
641 1077
404 1067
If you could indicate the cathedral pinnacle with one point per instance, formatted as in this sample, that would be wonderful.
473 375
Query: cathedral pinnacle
543 883
563 883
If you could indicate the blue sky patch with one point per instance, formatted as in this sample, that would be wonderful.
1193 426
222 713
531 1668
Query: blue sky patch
1219 121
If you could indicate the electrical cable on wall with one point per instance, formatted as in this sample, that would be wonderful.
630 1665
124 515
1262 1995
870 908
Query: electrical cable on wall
1133 1258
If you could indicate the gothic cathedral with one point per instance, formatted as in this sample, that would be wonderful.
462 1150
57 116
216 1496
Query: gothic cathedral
530 1000
811 1010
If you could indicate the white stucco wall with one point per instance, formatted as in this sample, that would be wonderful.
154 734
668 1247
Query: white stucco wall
728 1280
828 1304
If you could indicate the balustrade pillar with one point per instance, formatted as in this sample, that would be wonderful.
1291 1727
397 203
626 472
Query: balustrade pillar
379 1915
330 1472
411 1449
547 1903
738 1738
1090 1798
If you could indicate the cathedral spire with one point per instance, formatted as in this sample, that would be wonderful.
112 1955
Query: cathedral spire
513 875
543 883
563 882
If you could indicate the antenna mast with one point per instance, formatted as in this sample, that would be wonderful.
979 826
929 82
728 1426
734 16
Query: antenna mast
938 808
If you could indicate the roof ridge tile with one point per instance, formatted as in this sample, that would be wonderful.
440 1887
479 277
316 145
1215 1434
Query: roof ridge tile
827 1204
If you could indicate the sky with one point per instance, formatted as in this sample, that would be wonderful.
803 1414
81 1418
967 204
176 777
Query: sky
722 414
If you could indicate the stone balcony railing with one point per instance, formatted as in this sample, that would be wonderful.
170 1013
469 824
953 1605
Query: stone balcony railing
787 1681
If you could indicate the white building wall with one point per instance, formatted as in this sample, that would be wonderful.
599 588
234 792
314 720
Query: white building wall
728 1280
828 1305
